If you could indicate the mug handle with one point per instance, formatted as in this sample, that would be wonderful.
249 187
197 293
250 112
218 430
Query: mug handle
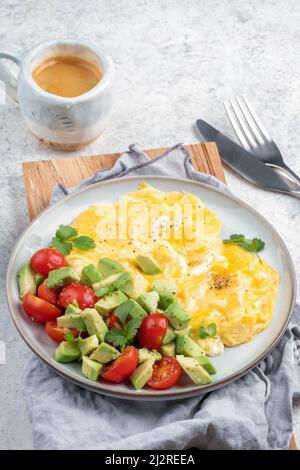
10 81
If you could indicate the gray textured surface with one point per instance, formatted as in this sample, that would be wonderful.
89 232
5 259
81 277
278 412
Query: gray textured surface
175 61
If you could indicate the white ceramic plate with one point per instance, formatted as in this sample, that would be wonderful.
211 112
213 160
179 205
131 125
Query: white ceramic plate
235 216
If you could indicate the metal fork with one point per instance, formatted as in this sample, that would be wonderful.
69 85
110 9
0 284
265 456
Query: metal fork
253 135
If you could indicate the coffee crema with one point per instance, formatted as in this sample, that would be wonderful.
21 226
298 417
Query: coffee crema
67 76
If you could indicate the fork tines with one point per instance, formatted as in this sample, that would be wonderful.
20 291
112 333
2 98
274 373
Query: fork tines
245 122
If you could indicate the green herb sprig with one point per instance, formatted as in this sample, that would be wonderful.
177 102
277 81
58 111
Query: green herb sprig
123 337
253 245
66 237
70 337
209 331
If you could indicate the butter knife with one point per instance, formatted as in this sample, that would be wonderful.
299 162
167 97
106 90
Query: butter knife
245 164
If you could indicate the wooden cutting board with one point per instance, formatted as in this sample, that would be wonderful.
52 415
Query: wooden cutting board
41 176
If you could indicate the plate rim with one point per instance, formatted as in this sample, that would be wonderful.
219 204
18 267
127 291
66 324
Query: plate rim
163 396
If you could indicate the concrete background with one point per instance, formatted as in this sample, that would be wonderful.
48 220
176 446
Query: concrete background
176 61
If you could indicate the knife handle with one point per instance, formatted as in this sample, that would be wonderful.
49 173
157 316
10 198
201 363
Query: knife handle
294 193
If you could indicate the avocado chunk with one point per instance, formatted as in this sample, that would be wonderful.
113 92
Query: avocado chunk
67 351
61 277
169 336
73 308
186 346
148 301
26 281
184 331
168 349
91 369
166 291
145 354
148 264
137 310
107 267
142 374
120 281
194 370
124 283
105 305
72 320
105 353
205 362
88 345
94 323
38 279
133 308
178 317
90 275
109 281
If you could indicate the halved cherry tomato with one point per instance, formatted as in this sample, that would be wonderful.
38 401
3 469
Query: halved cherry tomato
85 297
40 310
166 373
114 321
121 369
47 259
58 334
50 295
152 331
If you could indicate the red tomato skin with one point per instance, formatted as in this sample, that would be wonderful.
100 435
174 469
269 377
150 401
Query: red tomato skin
84 296
50 295
166 373
152 331
39 310
121 369
56 333
47 259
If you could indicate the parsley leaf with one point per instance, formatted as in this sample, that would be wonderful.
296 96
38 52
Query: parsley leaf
116 337
83 242
253 245
131 328
123 337
64 232
122 311
64 240
62 245
209 331
70 337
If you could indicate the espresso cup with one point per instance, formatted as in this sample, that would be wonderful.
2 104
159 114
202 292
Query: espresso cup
63 123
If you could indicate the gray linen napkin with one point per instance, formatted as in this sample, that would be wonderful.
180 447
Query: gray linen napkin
254 412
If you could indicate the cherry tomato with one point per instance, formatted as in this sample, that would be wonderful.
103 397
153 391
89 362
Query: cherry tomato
56 333
85 297
50 295
166 373
47 259
114 321
152 331
123 367
39 310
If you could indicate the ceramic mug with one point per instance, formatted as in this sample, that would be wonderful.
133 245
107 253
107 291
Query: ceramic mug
64 123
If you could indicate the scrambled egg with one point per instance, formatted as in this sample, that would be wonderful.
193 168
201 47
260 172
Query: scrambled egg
216 283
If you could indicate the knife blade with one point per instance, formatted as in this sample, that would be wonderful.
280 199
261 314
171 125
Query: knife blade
244 163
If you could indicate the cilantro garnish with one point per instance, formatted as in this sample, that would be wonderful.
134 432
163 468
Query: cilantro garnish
209 331
125 336
254 245
70 337
66 237
122 311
